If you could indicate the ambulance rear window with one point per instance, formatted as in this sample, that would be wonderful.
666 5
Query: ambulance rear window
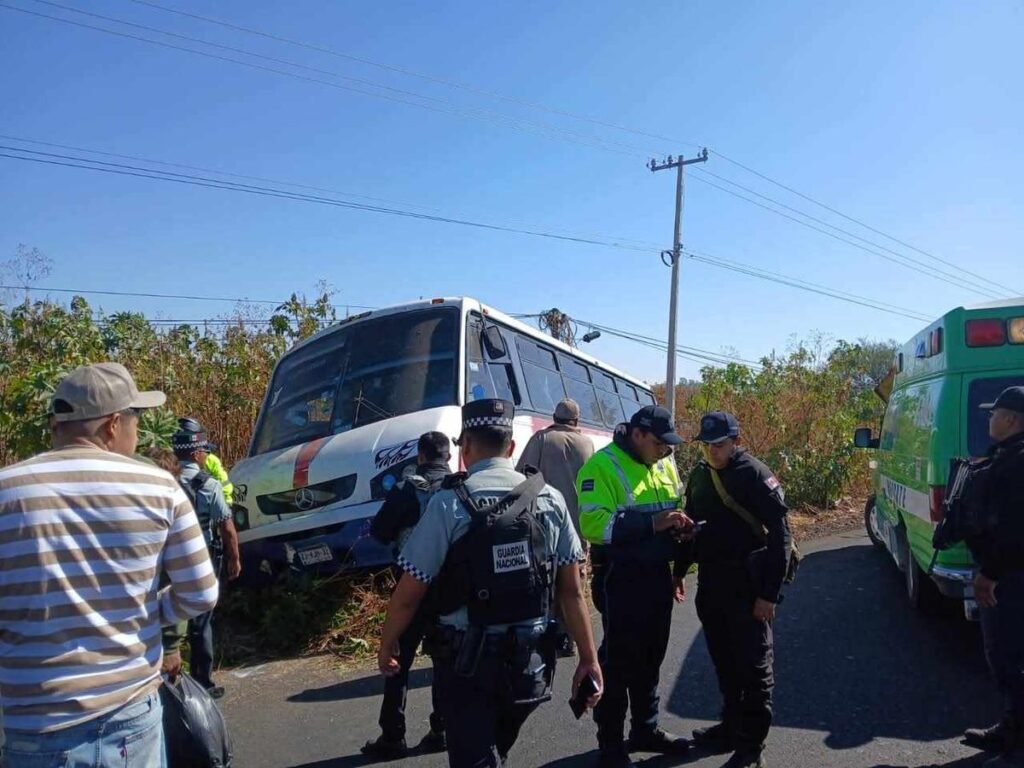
978 392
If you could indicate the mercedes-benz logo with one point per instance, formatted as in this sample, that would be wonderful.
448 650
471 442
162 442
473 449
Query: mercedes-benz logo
304 499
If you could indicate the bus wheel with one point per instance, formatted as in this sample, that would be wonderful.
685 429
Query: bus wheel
871 523
921 591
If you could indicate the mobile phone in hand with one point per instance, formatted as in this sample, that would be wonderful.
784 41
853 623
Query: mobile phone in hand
578 703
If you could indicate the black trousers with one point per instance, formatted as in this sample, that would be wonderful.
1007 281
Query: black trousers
1002 628
742 650
396 688
200 643
200 638
635 602
483 714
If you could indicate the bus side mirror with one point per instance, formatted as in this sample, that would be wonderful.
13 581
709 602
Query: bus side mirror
494 343
862 438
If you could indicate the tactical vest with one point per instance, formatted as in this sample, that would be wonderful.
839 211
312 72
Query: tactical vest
499 569
192 488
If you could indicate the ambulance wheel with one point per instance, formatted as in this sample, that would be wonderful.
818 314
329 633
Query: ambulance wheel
871 523
921 590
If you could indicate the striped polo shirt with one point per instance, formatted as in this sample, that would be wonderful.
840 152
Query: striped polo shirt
84 536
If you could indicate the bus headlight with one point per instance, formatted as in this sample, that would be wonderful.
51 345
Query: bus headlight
241 516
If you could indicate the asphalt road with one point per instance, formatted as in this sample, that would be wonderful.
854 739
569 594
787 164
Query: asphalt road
862 682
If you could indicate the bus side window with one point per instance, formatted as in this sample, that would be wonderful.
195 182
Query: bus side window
504 379
611 407
478 379
542 377
484 378
577 384
629 398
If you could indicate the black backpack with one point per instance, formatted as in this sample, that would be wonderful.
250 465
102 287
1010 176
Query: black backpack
498 569
192 488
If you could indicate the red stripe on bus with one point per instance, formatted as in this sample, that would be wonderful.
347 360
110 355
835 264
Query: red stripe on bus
308 452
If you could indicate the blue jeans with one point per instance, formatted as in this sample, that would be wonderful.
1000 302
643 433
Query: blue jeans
130 737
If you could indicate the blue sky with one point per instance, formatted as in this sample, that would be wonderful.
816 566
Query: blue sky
906 116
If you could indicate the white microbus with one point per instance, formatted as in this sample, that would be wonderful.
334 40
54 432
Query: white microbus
340 420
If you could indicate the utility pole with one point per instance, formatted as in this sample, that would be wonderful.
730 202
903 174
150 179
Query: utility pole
673 261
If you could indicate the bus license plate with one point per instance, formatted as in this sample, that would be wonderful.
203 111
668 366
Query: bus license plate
318 554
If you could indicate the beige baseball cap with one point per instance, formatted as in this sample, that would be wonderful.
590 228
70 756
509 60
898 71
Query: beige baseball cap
92 391
567 410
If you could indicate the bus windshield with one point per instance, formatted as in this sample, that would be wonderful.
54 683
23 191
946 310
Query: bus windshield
360 374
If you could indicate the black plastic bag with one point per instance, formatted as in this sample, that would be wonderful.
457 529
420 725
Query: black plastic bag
194 728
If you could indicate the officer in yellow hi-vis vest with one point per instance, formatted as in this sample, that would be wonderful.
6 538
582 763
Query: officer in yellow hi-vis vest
629 497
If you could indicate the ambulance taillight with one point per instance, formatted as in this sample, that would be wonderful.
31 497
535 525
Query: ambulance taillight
936 508
985 333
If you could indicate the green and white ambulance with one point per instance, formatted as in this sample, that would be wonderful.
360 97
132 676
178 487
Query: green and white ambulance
938 380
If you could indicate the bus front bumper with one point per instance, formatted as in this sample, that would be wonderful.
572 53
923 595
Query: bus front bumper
320 545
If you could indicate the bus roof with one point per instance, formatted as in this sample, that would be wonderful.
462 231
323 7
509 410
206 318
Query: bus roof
942 346
466 302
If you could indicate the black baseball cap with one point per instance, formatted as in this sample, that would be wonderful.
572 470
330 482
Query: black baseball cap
718 426
1011 398
657 420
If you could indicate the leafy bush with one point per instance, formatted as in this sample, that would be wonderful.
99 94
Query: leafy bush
797 414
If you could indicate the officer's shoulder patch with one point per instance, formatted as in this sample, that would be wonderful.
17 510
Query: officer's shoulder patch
772 482
587 485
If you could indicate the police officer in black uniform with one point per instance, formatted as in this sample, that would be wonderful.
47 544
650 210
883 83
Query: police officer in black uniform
740 575
999 583
498 545
214 515
393 524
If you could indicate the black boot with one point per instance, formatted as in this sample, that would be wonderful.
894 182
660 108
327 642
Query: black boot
383 748
746 758
995 738
434 741
715 739
614 756
658 741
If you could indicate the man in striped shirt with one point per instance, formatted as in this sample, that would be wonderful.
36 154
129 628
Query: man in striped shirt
85 532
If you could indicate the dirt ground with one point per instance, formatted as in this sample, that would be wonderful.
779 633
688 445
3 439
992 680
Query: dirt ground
810 523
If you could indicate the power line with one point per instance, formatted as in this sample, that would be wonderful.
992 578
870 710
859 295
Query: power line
839 213
158 175
181 297
411 73
555 111
53 145
399 95
804 285
691 353
200 181
490 115
950 279
903 259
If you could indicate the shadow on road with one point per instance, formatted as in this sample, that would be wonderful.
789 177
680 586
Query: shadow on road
975 761
360 688
854 661
589 759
